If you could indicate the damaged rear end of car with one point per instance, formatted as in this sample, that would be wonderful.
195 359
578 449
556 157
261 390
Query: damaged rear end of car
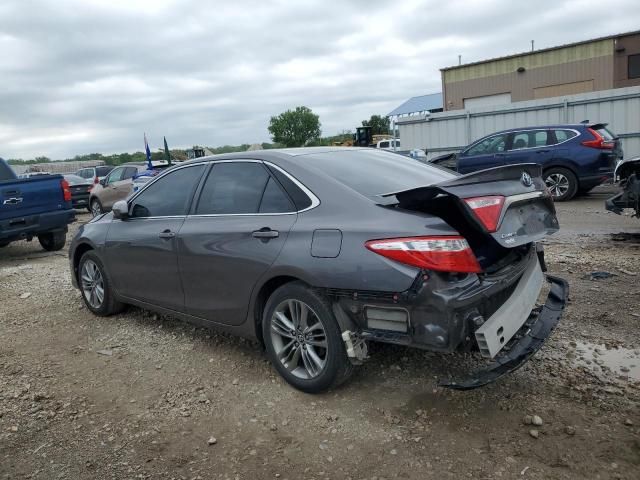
482 289
627 173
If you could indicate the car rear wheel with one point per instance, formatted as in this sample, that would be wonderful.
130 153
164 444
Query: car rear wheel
95 207
95 286
52 242
562 183
303 340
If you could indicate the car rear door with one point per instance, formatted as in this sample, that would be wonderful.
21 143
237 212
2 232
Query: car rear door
141 250
530 146
486 153
238 226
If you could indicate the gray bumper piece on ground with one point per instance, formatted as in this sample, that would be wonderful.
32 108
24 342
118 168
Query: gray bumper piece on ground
527 342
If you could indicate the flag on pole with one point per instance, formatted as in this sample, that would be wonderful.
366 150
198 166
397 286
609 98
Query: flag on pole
147 152
167 153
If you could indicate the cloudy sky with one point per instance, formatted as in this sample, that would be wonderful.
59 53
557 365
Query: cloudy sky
82 76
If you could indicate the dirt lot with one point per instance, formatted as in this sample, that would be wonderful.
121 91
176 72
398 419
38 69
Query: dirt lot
138 396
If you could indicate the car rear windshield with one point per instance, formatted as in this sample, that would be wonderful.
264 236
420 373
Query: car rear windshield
606 134
372 173
102 171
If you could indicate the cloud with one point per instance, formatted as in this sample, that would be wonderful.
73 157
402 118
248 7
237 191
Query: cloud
81 76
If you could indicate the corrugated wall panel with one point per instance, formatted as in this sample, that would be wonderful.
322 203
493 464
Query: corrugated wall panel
448 131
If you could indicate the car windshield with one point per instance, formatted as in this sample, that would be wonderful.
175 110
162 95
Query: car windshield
373 173
102 171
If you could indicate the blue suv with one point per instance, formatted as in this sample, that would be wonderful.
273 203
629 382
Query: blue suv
574 158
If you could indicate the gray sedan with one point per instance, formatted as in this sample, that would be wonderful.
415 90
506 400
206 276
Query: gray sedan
316 252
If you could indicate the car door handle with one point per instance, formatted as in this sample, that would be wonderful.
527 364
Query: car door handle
543 151
167 234
265 233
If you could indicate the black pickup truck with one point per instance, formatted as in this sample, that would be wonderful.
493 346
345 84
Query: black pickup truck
39 206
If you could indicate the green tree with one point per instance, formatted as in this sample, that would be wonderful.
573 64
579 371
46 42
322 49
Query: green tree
379 125
294 128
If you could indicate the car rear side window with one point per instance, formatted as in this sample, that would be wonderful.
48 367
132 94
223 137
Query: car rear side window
170 195
232 188
529 139
300 199
564 135
274 200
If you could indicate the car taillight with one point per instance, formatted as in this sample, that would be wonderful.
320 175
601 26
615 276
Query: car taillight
487 209
442 253
96 180
66 191
598 141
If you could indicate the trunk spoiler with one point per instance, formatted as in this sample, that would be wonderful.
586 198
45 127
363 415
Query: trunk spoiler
528 213
490 175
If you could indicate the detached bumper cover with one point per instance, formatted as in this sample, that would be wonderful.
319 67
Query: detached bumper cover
526 342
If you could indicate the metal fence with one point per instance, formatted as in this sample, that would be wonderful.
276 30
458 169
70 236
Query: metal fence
446 132
56 167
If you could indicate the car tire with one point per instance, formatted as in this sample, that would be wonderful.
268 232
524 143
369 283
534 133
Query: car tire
53 241
562 183
312 360
95 286
96 208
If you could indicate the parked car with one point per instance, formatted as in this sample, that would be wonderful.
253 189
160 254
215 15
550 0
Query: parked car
38 206
575 158
627 173
317 251
118 184
94 174
80 190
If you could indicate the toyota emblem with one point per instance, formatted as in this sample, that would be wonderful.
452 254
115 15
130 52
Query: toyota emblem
526 179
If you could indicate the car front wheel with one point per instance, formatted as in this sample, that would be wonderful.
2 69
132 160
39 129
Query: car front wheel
562 183
95 286
303 339
95 208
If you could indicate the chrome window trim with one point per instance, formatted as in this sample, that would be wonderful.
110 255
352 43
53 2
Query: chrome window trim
315 201
515 132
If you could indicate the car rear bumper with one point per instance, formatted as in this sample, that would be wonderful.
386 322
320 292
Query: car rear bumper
444 313
527 341
27 227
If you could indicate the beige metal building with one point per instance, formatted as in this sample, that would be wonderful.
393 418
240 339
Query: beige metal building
592 65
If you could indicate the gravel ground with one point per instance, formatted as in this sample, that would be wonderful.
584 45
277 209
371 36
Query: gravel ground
143 396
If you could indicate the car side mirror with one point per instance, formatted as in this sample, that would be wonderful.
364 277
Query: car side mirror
103 182
121 210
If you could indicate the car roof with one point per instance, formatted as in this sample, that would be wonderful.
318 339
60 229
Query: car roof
547 127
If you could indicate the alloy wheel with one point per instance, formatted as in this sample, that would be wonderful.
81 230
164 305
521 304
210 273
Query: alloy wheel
96 209
558 184
92 284
299 339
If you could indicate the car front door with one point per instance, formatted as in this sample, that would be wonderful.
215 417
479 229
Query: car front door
124 186
141 250
486 153
108 194
239 225
530 146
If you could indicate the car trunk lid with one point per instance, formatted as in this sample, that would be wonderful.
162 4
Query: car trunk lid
496 209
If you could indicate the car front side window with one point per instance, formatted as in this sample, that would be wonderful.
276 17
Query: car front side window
114 176
170 195
495 144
